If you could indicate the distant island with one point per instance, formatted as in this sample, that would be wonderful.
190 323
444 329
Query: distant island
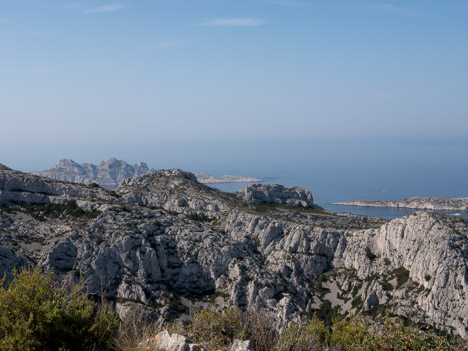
112 172
227 178
419 203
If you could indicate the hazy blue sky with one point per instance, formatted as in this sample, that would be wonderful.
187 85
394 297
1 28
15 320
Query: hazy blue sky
125 76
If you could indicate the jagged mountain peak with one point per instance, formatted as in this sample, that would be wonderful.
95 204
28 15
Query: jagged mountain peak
109 173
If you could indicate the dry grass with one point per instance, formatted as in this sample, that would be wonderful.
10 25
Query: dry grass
216 330
134 329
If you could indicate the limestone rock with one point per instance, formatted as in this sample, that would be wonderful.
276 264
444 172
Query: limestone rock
164 239
259 194
19 187
108 173
112 172
170 342
239 345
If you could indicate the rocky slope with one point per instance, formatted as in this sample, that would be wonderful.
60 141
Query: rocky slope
419 203
173 244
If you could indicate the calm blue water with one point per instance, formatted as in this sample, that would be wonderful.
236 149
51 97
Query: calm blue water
348 170
333 169
390 213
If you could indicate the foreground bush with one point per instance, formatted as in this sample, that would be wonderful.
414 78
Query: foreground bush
216 330
37 313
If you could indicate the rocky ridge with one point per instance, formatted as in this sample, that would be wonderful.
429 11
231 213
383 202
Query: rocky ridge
263 194
112 172
419 203
165 241
108 173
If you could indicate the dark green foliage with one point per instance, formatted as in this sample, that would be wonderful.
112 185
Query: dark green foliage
38 313
198 217
371 256
402 275
357 302
386 285
71 208
327 313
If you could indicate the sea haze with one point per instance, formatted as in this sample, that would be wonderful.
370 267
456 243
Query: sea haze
345 170
338 169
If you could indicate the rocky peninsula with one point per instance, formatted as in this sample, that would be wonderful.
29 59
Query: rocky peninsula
419 203
227 178
168 243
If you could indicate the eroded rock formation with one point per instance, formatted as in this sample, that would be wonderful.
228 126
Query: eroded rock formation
171 243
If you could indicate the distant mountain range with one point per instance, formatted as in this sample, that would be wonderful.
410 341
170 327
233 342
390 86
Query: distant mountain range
112 172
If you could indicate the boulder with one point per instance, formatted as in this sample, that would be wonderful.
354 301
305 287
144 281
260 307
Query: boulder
260 194
239 345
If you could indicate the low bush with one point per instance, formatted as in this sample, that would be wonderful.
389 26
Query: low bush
39 313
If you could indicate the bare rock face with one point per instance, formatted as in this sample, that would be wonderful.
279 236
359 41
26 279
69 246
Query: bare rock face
165 240
240 345
19 187
175 190
259 194
108 173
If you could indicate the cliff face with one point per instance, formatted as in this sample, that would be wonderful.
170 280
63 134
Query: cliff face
169 242
108 173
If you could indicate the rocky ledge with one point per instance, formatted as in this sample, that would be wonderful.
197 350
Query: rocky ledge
171 244
419 203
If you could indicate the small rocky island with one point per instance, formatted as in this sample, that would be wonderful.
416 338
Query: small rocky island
112 172
418 203
227 178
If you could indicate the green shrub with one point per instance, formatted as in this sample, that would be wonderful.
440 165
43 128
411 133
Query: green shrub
312 335
402 275
396 336
37 313
215 330
350 335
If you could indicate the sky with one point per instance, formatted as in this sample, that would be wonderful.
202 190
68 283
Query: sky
94 79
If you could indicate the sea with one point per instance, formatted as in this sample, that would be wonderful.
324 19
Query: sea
346 170
333 169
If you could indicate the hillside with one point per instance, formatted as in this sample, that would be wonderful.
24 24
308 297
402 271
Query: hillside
170 243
